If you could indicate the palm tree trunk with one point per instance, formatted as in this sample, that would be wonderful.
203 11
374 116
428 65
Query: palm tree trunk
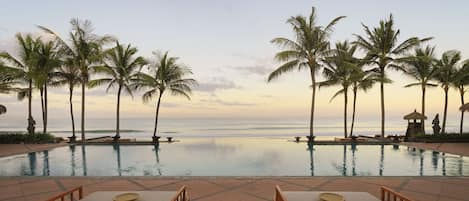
313 98
345 111
71 111
353 110
42 109
156 115
423 107
461 91
83 112
118 111
443 129
45 108
30 116
382 102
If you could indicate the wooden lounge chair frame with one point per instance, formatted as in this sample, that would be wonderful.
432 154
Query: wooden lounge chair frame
388 194
278 196
69 193
181 195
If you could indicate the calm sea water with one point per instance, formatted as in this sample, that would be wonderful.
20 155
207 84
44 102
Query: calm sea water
231 156
143 128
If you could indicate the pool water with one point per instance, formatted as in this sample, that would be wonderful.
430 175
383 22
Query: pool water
234 157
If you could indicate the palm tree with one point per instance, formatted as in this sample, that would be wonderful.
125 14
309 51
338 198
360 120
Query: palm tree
165 75
306 50
338 70
23 70
460 81
381 48
446 74
84 51
47 59
68 74
420 66
121 67
361 80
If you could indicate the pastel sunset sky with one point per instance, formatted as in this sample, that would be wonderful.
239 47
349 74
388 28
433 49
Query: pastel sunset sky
227 45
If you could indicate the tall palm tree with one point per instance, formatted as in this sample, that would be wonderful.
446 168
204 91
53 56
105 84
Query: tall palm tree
47 59
121 67
68 74
420 66
382 49
361 80
166 74
446 74
338 70
460 81
23 70
306 50
84 51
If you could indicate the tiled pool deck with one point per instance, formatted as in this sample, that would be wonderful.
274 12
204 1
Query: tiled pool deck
238 188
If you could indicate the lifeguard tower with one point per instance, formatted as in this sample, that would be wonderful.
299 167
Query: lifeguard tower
415 124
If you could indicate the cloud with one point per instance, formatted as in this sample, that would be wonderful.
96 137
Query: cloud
226 103
255 69
216 84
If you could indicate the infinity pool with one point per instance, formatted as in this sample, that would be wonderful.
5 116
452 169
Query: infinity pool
234 157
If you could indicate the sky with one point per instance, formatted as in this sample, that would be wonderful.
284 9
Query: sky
227 46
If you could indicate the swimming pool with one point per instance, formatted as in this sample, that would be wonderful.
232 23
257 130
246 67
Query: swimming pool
234 157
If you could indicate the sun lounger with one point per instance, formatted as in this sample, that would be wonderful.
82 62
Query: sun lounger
77 194
389 195
314 195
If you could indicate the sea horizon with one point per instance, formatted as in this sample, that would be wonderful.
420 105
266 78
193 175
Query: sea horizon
220 127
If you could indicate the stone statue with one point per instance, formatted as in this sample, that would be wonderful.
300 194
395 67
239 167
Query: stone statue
436 125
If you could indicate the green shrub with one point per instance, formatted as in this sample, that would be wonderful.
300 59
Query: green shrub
18 137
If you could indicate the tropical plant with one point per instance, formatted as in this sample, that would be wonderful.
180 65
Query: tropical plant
68 74
361 80
446 73
121 68
338 70
306 50
166 74
46 60
420 66
382 49
22 69
85 52
460 81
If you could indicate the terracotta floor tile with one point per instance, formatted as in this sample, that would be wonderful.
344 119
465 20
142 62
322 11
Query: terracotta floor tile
455 191
7 192
351 185
153 183
419 196
231 183
232 196
41 186
388 182
307 183
42 196
196 188
262 188
111 185
423 186
8 182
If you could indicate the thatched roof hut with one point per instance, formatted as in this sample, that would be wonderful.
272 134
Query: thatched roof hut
415 115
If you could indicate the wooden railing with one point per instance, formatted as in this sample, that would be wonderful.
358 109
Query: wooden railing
70 194
181 195
278 196
388 194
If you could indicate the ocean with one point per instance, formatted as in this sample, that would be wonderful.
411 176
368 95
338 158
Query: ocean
220 127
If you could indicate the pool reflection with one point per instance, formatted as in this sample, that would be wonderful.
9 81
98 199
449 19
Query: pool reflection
229 158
